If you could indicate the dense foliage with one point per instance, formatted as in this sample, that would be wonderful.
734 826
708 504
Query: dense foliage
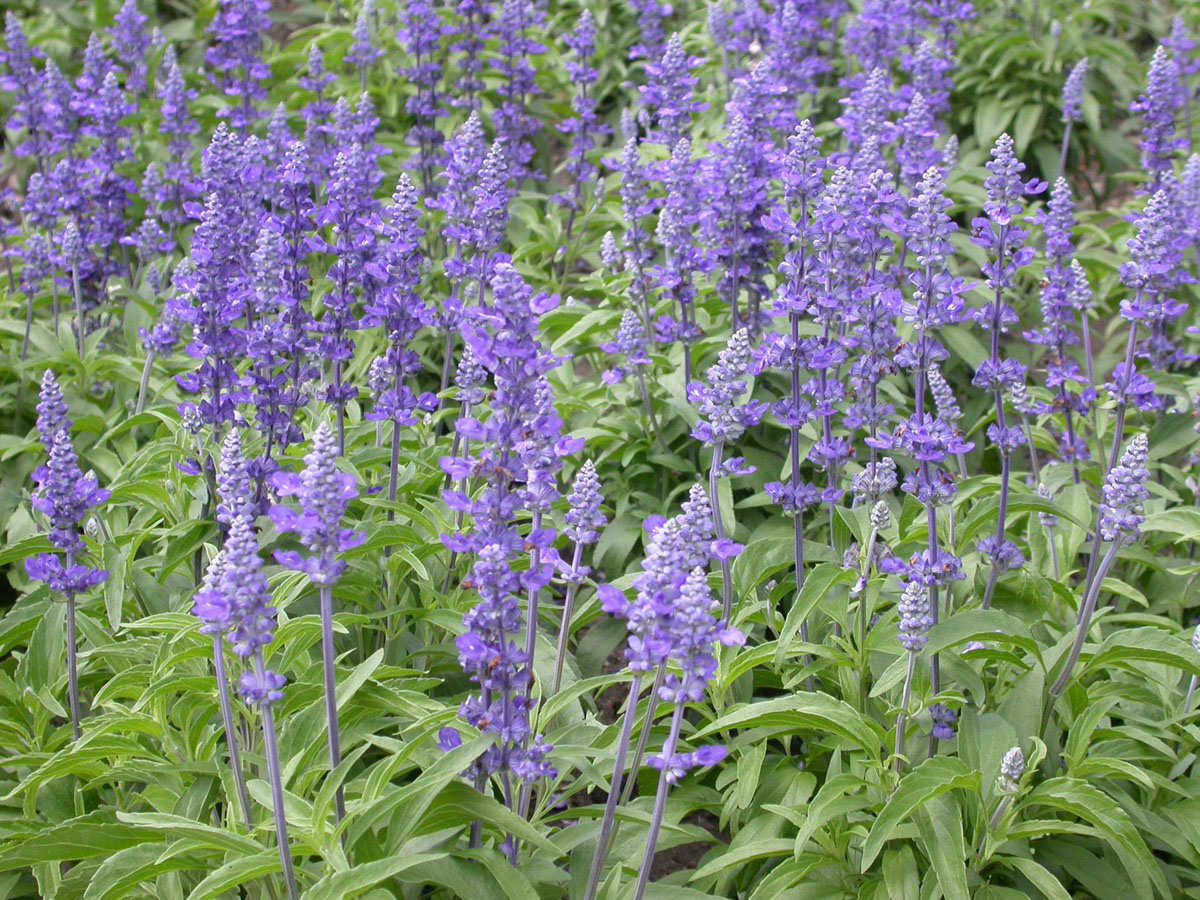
540 449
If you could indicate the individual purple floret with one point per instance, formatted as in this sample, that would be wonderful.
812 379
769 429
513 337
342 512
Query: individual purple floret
944 720
1159 107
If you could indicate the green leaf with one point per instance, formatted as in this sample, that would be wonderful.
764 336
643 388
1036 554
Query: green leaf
95 834
121 873
811 713
222 839
1147 644
939 822
928 780
237 872
365 876
1093 805
1039 876
816 585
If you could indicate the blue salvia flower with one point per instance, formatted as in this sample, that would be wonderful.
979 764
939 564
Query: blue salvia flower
362 53
650 32
1123 494
510 449
929 76
322 493
667 94
1072 92
399 307
475 25
676 231
1060 305
252 626
51 410
64 495
131 42
584 126
999 235
29 111
723 418
235 55
421 33
1119 525
1159 108
515 126
629 343
235 495
208 299
915 621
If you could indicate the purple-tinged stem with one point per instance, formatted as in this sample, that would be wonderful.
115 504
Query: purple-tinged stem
271 750
608 823
1066 144
76 290
655 432
144 385
28 327
231 734
564 630
639 751
531 629
798 519
714 477
1118 432
902 718
660 803
1085 620
72 664
331 710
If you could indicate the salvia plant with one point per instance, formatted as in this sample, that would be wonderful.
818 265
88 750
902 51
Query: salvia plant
520 449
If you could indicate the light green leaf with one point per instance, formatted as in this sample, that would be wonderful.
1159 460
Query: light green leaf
928 780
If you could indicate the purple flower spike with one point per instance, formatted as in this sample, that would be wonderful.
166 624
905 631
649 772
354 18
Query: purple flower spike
1159 108
323 493
51 410
65 494
1123 493
1072 93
